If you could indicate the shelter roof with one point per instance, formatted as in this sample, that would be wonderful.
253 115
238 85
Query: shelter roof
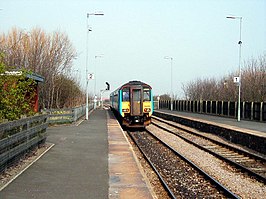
36 77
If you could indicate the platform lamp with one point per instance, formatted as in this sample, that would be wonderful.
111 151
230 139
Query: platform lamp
87 77
238 79
171 58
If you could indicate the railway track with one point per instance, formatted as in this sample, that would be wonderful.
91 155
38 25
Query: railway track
180 177
253 164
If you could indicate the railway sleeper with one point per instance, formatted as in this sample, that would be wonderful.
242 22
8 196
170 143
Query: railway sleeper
210 147
224 153
235 156
248 161
261 170
242 159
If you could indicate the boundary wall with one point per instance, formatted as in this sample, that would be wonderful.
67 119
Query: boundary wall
248 110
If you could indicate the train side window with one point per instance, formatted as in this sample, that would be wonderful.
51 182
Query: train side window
146 95
115 98
126 95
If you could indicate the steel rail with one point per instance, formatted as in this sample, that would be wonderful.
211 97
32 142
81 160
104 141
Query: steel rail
227 192
244 152
235 150
168 190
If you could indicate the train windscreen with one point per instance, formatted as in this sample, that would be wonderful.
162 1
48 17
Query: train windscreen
146 94
125 95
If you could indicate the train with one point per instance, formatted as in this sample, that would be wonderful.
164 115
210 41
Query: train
132 103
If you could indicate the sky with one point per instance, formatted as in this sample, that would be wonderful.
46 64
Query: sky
132 38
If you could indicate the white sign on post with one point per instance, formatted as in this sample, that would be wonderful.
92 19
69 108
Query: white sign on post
236 79
90 76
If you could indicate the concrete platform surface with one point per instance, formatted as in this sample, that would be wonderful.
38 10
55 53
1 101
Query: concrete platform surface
93 160
75 168
126 178
245 124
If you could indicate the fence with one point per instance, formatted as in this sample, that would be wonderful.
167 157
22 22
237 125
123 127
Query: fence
69 115
20 136
248 110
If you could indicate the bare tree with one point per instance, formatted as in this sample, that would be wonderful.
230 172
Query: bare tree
50 55
253 85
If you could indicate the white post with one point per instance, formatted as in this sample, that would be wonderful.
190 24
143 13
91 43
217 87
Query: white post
239 64
87 89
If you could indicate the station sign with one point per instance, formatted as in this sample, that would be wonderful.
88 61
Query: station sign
236 79
91 76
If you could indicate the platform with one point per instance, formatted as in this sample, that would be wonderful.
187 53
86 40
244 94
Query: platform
260 127
126 179
83 164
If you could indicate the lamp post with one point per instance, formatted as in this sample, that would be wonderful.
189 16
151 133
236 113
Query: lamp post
171 58
87 78
239 64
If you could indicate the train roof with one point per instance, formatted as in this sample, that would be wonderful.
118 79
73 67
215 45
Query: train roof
130 83
135 83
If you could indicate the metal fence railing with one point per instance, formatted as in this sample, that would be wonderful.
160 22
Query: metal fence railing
20 136
67 115
248 110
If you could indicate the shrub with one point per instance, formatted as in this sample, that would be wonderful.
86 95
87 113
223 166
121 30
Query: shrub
16 94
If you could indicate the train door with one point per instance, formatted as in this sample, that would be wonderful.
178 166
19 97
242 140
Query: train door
136 102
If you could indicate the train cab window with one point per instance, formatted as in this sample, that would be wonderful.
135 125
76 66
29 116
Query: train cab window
146 95
125 95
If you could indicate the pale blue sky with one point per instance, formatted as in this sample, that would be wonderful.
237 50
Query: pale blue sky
136 35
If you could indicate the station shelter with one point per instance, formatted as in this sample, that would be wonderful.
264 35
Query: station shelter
38 79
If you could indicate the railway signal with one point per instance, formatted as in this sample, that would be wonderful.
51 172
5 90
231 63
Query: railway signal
108 86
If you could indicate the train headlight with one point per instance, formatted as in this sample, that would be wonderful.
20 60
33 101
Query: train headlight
126 110
147 110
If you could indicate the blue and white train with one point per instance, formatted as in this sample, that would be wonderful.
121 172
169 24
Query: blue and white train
133 104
